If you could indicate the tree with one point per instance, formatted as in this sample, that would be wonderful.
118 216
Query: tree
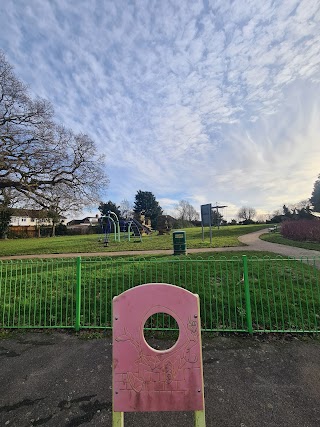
305 213
261 219
5 214
300 210
246 214
37 154
105 208
286 212
58 200
216 218
186 212
303 204
146 202
126 209
315 196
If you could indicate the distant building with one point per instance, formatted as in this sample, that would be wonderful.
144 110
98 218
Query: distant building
84 223
29 222
31 217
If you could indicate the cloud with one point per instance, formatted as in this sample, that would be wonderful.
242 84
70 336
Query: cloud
204 100
278 157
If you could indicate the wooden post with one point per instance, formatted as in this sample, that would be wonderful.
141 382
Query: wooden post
118 419
199 419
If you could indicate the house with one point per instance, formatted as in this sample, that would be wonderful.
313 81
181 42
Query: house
27 222
30 217
84 223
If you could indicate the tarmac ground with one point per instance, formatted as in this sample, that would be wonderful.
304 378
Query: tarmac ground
64 379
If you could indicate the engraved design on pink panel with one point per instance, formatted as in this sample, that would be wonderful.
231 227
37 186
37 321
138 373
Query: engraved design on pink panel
145 379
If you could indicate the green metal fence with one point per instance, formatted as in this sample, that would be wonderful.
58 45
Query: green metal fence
245 294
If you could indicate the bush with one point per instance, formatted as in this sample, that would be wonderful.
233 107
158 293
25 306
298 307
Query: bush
247 222
303 230
182 223
61 230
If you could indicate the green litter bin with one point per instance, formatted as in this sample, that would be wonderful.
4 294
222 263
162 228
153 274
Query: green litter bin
179 242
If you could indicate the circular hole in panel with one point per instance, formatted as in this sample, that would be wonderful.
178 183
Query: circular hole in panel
161 331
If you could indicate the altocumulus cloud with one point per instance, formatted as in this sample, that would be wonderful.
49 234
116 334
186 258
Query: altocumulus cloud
201 100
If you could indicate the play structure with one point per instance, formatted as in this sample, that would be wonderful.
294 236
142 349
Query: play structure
164 224
129 229
149 380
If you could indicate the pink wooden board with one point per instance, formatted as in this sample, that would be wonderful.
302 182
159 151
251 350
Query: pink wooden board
145 379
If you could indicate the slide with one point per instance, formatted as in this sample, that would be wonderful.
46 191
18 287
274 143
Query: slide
144 227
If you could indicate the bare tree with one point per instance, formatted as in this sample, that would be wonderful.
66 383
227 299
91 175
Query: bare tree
58 200
261 218
37 155
186 212
126 209
246 213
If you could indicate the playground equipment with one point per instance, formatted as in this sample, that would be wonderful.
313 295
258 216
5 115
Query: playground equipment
131 227
164 224
146 379
106 222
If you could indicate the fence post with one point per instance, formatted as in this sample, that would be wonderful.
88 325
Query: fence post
247 294
78 294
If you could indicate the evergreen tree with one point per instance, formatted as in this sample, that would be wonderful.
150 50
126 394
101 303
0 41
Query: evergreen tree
217 218
146 202
105 208
315 197
5 214
286 212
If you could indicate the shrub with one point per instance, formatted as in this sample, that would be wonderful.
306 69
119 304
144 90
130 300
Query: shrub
182 223
303 230
61 230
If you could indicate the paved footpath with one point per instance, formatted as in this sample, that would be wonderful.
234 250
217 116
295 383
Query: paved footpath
251 240
256 244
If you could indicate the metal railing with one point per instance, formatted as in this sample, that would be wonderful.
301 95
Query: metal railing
240 294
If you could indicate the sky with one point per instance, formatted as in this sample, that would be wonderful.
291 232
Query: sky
206 101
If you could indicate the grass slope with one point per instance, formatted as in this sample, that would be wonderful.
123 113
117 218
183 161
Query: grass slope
225 237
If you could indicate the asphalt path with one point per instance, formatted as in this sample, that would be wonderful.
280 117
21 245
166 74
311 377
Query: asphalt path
253 242
58 379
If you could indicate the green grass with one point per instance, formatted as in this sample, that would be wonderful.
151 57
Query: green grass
285 294
225 237
277 238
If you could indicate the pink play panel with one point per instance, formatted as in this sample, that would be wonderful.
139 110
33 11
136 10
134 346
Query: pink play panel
145 379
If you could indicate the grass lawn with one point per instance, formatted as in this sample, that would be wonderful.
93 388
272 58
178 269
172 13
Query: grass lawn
225 237
277 238
284 293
